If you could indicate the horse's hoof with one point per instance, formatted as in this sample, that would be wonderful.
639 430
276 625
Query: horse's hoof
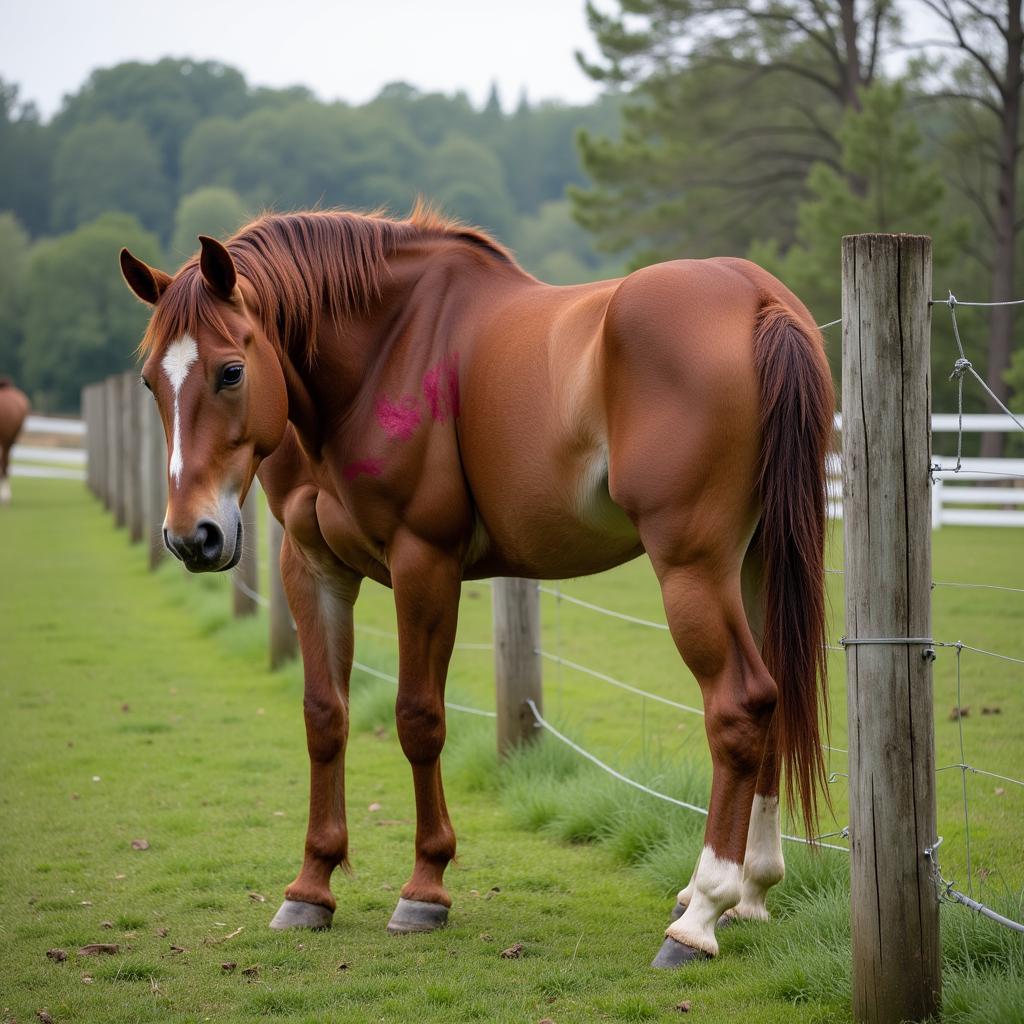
417 916
675 954
296 914
680 908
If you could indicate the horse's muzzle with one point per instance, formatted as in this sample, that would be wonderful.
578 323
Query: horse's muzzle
205 549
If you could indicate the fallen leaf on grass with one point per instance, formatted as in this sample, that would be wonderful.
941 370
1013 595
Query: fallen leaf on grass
257 898
959 712
374 806
228 966
163 932
44 1017
484 937
126 707
57 955
107 924
994 710
119 876
86 979
1000 791
99 948
140 844
342 967
85 903
545 1020
251 972
178 949
514 952
684 1006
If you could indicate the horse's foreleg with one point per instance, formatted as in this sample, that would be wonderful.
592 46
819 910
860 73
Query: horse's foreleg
426 584
321 605
5 483
709 626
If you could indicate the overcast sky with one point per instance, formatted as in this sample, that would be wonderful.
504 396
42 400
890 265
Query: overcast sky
343 49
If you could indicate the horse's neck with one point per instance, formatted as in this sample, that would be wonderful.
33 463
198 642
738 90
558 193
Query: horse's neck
436 286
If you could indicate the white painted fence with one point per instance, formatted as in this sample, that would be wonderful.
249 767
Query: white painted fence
50 447
966 497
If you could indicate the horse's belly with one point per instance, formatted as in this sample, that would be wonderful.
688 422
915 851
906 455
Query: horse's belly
551 526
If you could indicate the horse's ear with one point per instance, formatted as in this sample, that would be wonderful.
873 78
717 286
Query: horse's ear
217 266
147 282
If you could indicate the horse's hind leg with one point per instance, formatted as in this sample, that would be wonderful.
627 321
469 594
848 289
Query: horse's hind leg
763 864
321 604
705 613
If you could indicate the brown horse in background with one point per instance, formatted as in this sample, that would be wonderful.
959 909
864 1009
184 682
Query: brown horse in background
13 410
422 411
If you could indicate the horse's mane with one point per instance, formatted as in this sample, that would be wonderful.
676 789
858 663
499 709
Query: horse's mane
302 264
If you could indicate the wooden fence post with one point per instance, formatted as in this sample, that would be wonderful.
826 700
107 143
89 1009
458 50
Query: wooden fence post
85 405
283 640
99 446
517 668
132 455
887 527
154 480
115 460
246 573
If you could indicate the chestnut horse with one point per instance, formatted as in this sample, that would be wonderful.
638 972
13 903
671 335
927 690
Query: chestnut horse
13 410
421 411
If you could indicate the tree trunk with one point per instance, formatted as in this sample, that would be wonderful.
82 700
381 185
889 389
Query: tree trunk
1000 332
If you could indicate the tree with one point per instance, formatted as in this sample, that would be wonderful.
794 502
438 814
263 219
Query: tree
986 88
109 165
81 323
900 192
729 106
14 250
213 210
167 97
551 245
25 157
466 178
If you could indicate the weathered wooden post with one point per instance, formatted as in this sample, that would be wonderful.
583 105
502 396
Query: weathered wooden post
102 453
132 455
246 573
283 641
85 407
154 480
517 668
115 454
887 526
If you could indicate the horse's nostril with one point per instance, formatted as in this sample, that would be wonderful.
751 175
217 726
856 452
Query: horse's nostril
209 540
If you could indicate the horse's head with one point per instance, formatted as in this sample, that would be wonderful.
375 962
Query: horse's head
218 383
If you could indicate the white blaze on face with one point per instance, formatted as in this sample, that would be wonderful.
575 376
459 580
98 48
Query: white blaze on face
176 363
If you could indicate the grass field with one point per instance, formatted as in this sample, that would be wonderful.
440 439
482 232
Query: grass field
134 707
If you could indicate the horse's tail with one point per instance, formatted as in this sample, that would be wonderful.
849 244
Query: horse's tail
797 404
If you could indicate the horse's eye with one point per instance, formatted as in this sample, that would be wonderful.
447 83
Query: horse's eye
231 375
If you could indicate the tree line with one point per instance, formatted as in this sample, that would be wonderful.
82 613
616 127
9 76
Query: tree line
150 155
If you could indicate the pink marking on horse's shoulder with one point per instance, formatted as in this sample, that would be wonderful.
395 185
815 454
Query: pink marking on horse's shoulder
369 467
441 389
399 419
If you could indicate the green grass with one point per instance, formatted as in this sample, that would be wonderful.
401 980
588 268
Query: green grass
148 684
